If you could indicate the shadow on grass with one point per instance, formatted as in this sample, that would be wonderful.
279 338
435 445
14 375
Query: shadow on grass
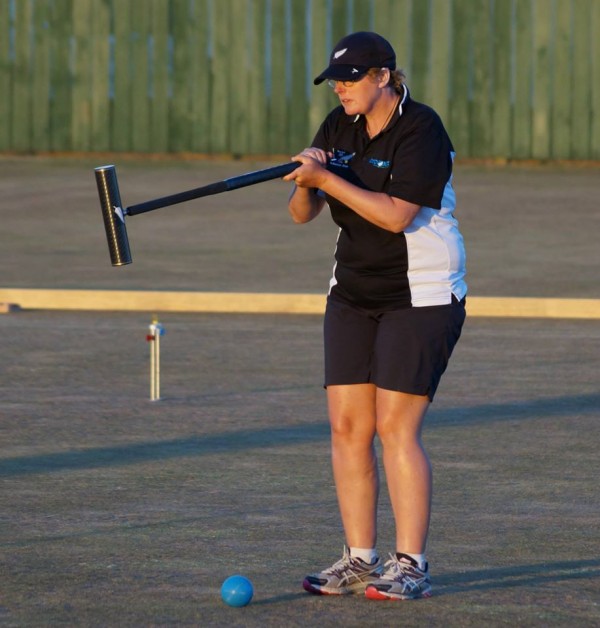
284 597
516 410
517 576
280 436
163 450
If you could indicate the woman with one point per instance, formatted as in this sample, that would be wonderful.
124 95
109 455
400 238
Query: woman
395 308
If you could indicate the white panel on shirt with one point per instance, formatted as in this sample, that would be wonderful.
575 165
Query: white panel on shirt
436 254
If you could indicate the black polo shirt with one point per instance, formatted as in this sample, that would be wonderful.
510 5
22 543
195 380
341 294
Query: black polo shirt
411 160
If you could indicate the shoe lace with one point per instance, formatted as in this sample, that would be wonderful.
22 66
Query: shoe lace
405 574
346 566
340 567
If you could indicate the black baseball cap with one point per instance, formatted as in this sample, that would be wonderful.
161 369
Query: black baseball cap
355 54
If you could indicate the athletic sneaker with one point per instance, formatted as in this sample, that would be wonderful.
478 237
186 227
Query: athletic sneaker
401 580
348 575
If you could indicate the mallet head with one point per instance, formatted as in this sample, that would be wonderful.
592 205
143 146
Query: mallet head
113 214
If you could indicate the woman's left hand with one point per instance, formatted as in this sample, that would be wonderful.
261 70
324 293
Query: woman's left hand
312 172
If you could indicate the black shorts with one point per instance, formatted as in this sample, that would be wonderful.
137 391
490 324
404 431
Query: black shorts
405 350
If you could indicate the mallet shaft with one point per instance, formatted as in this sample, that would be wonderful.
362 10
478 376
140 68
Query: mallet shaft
240 181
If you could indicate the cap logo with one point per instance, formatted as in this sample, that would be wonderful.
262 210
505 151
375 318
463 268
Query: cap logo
354 71
339 53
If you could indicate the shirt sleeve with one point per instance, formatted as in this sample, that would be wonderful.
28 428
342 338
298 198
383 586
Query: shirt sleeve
422 163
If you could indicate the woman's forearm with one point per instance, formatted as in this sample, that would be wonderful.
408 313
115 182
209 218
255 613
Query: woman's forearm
304 204
387 212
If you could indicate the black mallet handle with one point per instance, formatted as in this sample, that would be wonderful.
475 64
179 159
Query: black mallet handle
242 180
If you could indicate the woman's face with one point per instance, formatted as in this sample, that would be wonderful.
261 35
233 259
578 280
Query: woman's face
361 96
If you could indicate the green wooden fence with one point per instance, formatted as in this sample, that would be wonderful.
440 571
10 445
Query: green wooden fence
516 79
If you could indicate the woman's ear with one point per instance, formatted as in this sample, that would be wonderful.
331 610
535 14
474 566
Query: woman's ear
384 77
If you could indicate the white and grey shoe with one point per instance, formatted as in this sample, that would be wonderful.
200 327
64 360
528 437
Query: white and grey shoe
402 579
347 576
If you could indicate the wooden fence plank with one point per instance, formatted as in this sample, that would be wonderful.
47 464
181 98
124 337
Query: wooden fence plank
362 16
340 16
198 40
501 93
542 72
82 71
561 85
121 107
237 68
393 20
61 75
522 80
298 132
159 87
6 71
595 81
100 102
581 89
22 73
382 18
322 98
184 75
277 128
460 79
421 49
256 93
480 101
400 34
140 102
438 79
219 108
40 80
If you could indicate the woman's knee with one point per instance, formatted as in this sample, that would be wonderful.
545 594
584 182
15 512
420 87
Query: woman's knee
352 429
400 417
352 413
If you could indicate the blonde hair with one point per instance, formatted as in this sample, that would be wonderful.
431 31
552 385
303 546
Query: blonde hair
397 78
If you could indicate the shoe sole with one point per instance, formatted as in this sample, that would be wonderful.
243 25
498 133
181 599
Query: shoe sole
374 594
310 588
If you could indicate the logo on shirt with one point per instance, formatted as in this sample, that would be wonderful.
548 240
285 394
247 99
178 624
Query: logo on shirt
379 163
341 158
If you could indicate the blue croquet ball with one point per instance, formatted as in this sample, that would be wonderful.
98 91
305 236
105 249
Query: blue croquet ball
237 591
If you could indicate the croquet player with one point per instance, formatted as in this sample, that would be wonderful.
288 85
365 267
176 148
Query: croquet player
382 162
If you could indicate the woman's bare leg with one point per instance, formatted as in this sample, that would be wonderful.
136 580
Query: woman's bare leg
353 420
408 470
